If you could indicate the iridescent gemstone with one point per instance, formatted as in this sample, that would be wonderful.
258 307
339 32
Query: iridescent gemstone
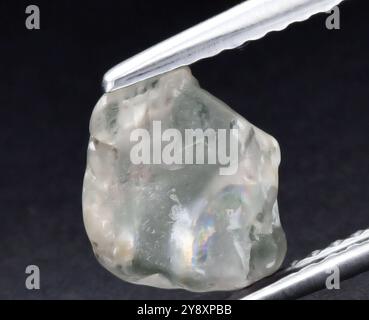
181 225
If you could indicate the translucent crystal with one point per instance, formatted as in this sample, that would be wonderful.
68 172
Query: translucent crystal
180 225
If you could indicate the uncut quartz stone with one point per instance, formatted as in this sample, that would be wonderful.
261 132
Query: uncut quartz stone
180 225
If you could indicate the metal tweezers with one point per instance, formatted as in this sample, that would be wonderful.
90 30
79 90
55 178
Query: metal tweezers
250 20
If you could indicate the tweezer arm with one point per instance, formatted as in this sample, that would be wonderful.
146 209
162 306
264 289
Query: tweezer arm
247 21
349 257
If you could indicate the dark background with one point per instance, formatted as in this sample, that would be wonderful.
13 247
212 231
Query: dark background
307 86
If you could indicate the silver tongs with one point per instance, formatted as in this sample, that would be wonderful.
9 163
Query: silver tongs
343 258
250 20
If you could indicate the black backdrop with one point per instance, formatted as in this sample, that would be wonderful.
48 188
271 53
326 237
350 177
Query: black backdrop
307 86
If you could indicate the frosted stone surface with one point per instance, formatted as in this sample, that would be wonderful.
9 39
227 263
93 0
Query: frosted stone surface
180 225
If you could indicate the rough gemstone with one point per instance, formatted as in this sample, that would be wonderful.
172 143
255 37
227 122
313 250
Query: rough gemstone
180 225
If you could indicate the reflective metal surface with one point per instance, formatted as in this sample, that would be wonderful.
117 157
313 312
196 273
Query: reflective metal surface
350 257
247 21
